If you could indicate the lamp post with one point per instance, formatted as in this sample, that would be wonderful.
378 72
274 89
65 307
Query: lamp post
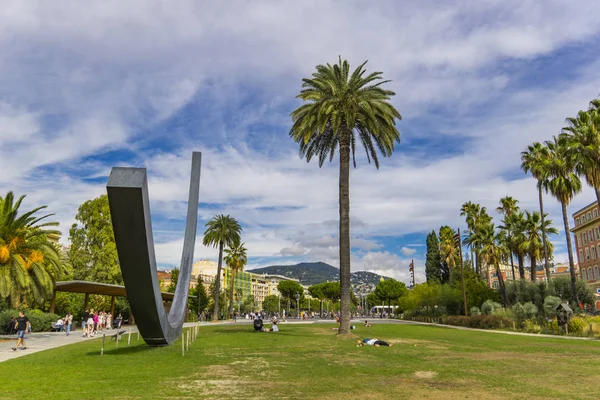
298 305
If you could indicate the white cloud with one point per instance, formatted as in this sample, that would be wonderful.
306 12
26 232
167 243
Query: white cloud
408 251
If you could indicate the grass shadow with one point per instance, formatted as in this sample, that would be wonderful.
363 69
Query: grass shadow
123 350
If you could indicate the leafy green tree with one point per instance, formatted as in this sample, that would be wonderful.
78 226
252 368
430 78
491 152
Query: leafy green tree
221 231
236 259
316 291
29 264
560 287
373 300
433 262
289 289
563 183
342 108
200 298
390 290
174 278
535 160
271 304
93 252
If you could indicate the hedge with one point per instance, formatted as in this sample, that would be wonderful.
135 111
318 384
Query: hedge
479 321
40 321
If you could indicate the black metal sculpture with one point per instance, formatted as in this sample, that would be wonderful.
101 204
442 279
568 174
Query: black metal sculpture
130 212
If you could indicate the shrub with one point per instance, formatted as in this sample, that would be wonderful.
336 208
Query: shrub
531 326
577 325
530 310
40 321
550 304
479 321
489 306
475 311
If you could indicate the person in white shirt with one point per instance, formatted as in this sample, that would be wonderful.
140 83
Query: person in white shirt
59 324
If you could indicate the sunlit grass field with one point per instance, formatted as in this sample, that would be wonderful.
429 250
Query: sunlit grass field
310 361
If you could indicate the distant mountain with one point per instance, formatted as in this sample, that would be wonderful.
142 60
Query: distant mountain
310 273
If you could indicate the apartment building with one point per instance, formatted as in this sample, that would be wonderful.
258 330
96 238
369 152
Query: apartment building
587 246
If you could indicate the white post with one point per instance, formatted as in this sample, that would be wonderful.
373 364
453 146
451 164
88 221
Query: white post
182 344
117 338
138 336
102 348
129 337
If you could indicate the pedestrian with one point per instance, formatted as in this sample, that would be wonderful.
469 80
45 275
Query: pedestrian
84 318
68 322
22 325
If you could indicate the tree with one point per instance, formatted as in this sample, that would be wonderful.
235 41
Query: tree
316 291
583 144
492 253
532 243
508 207
235 258
29 264
449 252
93 252
390 290
433 262
271 304
373 300
535 160
201 299
476 218
340 109
174 278
221 231
289 289
563 183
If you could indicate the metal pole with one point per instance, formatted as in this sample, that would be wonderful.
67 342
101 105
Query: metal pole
462 272
129 337
102 348
117 338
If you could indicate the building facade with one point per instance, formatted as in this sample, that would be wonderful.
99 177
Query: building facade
587 246
507 275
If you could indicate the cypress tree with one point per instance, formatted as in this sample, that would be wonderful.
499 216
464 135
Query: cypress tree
433 264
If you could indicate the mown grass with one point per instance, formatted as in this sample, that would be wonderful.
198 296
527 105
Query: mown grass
310 361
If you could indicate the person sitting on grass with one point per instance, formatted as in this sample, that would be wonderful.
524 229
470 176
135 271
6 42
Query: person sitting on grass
367 324
372 342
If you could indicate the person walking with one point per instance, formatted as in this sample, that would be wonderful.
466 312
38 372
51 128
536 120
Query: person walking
68 322
22 324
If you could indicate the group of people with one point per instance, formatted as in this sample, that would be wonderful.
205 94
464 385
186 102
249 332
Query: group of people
92 322
65 323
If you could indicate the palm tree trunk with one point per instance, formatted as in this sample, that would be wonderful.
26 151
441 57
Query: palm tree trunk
489 276
545 245
533 268
472 259
521 266
233 272
570 250
344 200
501 284
512 265
218 284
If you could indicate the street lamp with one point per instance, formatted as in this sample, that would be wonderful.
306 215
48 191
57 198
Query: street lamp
298 304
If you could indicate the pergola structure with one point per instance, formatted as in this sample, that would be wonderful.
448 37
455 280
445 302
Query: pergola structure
103 289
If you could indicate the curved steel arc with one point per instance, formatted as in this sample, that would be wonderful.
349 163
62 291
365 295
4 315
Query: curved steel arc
129 204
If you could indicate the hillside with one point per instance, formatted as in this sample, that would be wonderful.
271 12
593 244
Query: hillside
310 273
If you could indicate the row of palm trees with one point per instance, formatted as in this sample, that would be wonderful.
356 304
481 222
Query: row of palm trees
522 234
29 263
224 232
558 165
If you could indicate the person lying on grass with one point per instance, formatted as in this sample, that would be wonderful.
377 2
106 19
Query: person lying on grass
372 342
367 324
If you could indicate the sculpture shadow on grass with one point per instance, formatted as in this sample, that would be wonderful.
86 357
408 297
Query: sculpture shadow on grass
129 204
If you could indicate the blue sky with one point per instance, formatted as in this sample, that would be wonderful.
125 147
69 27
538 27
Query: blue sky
84 87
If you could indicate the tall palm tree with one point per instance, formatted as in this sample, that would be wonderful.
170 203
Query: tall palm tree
492 254
29 264
583 142
476 217
533 243
449 250
221 231
563 183
517 223
235 258
340 109
508 206
469 210
535 160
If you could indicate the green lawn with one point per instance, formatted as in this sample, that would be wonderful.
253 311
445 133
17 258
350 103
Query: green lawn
309 361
